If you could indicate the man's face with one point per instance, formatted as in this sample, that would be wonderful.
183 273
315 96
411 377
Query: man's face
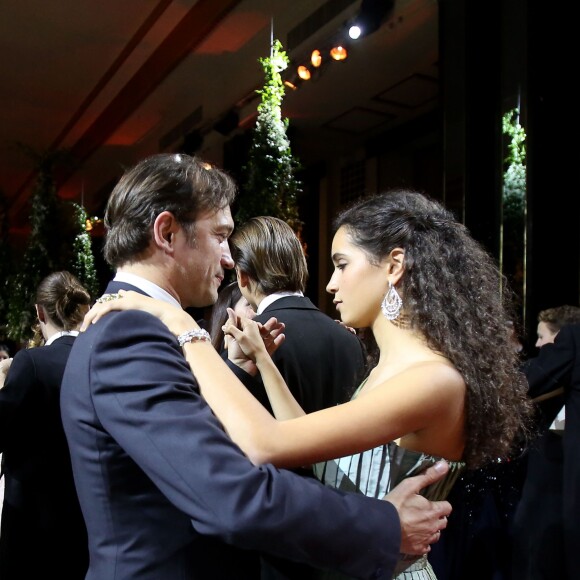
201 262
545 335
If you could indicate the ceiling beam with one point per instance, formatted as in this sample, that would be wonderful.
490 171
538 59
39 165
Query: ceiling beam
193 28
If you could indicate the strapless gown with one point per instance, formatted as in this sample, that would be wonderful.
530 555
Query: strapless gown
375 472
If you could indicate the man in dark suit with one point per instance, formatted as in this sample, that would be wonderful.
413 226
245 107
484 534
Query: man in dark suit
321 361
161 486
40 495
547 528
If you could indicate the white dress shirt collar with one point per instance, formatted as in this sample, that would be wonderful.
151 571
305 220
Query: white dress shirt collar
273 297
146 286
59 334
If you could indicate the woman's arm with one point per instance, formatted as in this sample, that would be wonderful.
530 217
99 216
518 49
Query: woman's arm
249 340
408 403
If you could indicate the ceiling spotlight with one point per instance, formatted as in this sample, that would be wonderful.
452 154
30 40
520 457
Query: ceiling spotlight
290 85
316 58
338 53
303 73
354 31
371 15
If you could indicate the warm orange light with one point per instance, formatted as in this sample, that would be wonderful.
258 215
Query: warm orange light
338 53
88 225
304 73
316 58
290 85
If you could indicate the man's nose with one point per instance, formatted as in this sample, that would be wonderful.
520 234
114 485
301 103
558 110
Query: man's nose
227 261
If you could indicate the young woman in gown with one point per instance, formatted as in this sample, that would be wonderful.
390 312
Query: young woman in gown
446 383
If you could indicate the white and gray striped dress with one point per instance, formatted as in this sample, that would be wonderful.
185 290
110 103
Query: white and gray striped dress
374 473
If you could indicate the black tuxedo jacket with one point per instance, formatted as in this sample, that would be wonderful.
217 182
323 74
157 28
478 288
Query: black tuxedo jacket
39 495
162 488
548 513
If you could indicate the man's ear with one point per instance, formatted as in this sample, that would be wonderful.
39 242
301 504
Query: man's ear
164 229
396 265
242 278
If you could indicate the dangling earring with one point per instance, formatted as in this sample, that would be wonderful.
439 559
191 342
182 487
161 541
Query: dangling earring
391 304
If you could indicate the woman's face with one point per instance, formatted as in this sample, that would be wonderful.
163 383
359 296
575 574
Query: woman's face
243 308
358 286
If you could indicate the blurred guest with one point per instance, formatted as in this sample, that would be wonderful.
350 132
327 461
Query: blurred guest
230 296
551 321
40 496
539 537
4 352
5 363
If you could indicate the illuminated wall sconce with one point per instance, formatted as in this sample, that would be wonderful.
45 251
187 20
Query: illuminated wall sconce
303 73
338 53
316 58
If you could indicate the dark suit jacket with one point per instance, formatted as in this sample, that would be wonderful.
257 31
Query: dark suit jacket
39 494
548 514
159 481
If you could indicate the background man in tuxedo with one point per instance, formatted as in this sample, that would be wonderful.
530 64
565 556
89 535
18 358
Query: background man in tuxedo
547 527
321 361
162 488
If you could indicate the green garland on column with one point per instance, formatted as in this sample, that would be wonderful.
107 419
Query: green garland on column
5 262
271 186
58 241
513 231
514 177
39 257
84 260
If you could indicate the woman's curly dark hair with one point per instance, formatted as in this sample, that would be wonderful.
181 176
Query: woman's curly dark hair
451 295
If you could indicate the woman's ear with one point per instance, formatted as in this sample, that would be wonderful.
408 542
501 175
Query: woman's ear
164 230
396 265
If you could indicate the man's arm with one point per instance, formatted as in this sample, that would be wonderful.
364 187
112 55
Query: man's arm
162 422
421 520
146 398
